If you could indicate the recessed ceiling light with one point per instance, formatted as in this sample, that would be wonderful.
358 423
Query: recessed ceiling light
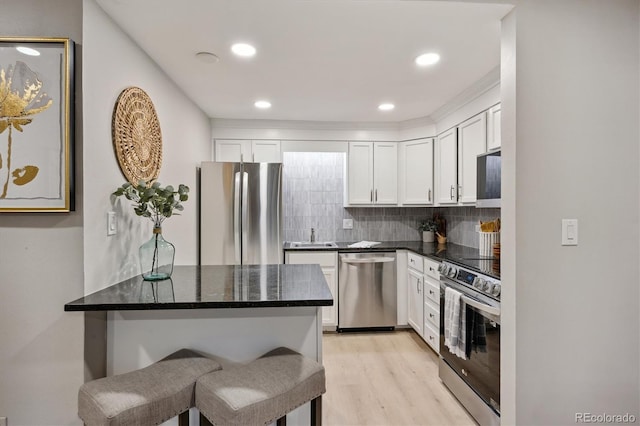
386 107
28 51
427 59
262 104
243 49
207 57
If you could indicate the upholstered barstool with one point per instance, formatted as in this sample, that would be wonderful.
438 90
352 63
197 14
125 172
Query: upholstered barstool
148 396
262 391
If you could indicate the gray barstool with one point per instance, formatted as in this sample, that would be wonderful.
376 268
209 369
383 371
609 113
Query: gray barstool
148 396
262 391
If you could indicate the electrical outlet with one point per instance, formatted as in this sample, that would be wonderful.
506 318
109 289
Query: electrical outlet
347 223
3 421
112 229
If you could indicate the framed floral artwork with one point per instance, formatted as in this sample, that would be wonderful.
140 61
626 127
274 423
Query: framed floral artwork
36 124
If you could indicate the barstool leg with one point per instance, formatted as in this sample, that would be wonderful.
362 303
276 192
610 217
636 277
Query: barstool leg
316 411
204 421
183 419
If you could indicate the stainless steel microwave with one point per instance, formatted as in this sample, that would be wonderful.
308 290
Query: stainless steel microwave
488 179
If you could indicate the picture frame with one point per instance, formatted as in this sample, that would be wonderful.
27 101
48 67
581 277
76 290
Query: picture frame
36 124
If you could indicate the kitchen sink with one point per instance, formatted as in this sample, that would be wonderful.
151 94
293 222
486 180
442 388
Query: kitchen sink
326 244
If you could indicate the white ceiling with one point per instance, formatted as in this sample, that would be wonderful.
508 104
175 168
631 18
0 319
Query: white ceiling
323 60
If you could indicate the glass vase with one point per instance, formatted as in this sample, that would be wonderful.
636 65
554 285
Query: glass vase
156 257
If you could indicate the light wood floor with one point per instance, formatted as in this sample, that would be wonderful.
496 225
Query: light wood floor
385 379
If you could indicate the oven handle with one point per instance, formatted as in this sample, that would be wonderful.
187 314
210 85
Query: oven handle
477 304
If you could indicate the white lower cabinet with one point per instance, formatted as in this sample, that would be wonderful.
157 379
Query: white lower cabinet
423 288
432 304
328 261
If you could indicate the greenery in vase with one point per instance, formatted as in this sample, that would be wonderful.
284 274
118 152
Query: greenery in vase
155 202
428 225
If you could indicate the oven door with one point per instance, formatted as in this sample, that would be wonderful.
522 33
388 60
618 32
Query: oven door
481 369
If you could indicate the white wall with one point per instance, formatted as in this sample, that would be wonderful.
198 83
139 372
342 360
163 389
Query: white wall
575 99
112 62
41 346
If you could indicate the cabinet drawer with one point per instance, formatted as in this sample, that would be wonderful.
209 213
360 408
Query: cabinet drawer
312 257
432 290
432 336
432 315
431 268
415 262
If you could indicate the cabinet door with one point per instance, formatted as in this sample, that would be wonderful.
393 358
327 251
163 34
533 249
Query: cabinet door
494 116
417 172
416 302
447 165
265 152
329 313
360 173
472 141
385 173
233 151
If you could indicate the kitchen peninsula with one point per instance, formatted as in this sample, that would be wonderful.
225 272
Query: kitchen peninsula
233 312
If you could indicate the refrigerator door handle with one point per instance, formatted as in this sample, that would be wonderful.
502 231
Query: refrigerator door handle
236 218
245 242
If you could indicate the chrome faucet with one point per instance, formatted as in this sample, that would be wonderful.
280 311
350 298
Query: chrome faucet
312 239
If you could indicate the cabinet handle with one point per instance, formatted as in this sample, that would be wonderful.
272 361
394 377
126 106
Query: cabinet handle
376 196
429 195
418 286
451 192
431 316
253 157
431 292
372 195
242 158
430 337
459 191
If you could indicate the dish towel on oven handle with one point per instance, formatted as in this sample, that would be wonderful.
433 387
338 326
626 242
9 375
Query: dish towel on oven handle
455 327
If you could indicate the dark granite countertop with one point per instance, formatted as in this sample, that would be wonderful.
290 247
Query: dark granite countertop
214 287
462 255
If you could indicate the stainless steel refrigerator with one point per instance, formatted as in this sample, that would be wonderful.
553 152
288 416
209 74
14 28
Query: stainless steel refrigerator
240 213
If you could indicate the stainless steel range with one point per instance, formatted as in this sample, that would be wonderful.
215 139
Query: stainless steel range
473 374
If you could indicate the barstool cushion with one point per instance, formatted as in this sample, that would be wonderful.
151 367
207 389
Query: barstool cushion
148 396
262 391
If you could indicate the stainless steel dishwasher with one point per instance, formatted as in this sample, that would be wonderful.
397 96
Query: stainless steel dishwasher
367 295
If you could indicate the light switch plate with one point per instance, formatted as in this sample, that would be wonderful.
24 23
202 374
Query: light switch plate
112 225
347 223
569 232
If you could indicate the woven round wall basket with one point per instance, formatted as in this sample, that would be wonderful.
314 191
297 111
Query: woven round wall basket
137 139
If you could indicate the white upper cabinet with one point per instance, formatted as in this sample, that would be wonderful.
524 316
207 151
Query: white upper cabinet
447 167
472 141
493 128
416 172
360 173
373 173
265 152
385 173
248 151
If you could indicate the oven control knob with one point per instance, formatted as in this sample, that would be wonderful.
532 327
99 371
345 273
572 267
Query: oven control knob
479 283
442 268
496 290
452 272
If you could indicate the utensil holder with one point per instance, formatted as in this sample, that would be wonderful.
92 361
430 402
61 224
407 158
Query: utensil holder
487 240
